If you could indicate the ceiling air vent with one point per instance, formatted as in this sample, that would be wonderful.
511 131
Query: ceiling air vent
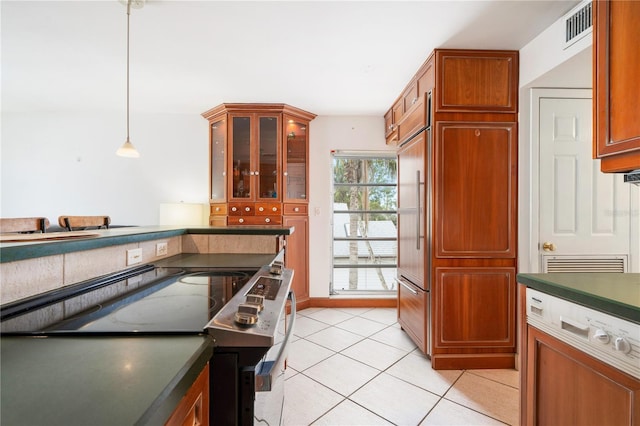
577 23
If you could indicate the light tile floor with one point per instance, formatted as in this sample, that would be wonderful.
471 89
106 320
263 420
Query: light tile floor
355 366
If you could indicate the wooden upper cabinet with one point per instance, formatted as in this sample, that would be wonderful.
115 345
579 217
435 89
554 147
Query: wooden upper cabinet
616 56
475 190
476 81
258 161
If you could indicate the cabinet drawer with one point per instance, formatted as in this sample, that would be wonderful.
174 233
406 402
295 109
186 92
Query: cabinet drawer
255 220
296 209
217 220
268 209
241 209
218 209
413 313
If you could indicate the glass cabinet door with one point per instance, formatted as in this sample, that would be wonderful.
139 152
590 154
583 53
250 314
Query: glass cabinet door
295 160
218 158
268 154
240 184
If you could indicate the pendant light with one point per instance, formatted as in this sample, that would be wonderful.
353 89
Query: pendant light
127 149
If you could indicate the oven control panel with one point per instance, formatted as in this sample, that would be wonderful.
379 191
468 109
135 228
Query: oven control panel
607 338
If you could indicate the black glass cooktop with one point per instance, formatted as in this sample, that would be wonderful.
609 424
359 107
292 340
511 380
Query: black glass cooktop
182 304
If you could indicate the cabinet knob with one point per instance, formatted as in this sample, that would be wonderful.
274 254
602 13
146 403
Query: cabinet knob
296 209
234 209
217 209
256 173
261 209
247 209
286 173
548 247
241 220
275 209
267 220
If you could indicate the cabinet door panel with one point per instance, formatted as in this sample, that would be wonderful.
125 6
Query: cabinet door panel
268 154
477 81
566 386
411 210
296 257
475 307
218 161
240 147
476 190
617 87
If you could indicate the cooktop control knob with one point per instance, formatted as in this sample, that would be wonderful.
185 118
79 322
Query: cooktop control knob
257 300
247 314
601 336
621 345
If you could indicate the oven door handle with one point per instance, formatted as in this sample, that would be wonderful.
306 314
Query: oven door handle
271 370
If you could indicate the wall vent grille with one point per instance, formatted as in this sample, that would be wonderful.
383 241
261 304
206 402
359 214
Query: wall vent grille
617 264
578 23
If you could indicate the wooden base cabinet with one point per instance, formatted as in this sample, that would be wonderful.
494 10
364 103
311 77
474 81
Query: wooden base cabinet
565 386
298 243
193 409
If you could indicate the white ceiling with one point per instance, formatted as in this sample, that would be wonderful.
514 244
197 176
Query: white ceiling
327 57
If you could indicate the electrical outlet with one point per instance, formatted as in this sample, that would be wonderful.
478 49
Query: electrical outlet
161 249
134 256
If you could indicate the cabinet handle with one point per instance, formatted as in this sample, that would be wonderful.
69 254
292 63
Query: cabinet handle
286 173
418 210
414 100
548 247
405 285
217 209
256 173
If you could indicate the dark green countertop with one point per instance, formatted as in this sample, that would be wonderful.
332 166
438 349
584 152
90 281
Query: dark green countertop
97 380
615 294
11 252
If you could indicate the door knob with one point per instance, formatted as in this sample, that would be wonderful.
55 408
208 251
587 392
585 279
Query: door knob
548 247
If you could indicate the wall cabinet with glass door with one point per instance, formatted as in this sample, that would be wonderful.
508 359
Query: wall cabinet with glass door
258 162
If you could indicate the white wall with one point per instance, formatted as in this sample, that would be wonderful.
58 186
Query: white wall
55 163
332 133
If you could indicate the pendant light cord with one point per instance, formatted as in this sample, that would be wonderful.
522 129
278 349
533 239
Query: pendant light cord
128 19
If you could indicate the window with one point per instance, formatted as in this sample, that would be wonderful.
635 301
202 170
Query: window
364 223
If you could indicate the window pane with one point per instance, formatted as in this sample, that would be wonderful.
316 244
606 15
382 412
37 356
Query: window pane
364 224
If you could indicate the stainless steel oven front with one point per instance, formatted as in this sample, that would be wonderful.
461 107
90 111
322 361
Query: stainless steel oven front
251 337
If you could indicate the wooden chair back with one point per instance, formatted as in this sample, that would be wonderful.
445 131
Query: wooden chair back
23 225
76 223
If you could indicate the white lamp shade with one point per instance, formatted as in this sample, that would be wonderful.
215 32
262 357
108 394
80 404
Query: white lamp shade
128 150
181 214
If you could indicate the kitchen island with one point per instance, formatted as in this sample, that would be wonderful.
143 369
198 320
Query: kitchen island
112 379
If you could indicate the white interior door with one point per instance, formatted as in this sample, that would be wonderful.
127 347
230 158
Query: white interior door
584 214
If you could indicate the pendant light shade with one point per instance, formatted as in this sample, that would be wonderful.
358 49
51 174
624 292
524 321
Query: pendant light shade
127 149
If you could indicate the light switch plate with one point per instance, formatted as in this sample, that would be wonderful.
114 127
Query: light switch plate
161 249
